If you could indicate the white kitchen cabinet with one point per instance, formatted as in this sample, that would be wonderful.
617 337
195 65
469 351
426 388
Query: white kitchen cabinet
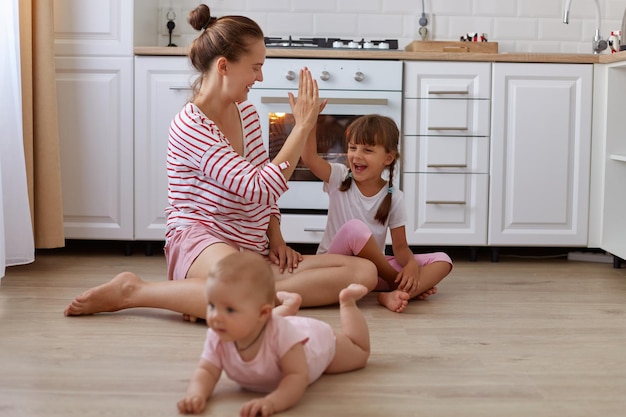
162 87
94 75
608 198
540 154
93 27
445 165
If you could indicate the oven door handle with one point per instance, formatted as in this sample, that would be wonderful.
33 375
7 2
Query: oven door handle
331 100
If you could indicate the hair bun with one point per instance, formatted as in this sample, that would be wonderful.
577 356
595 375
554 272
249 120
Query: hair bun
208 22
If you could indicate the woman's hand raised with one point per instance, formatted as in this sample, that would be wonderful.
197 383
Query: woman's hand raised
306 107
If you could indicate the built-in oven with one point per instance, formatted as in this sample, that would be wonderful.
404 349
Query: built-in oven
352 87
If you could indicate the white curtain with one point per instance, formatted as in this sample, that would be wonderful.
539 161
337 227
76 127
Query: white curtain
16 234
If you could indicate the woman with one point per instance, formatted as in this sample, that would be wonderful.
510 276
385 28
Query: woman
222 188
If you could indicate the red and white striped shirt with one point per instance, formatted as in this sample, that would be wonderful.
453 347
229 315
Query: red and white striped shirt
209 183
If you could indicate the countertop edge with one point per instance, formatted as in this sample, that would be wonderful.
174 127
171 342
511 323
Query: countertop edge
562 58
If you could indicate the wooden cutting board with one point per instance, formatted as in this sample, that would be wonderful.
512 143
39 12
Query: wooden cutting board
452 46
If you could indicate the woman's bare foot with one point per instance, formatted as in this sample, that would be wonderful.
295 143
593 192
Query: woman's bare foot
352 293
427 293
112 296
395 301
289 303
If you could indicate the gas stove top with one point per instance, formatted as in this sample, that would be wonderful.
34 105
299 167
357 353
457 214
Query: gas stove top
331 43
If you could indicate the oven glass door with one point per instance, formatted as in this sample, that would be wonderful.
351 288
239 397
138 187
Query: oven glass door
305 192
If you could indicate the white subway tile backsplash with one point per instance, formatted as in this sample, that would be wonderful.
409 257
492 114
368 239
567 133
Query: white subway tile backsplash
517 25
452 7
268 5
462 25
336 25
308 6
380 26
285 24
507 28
544 8
555 29
495 8
361 6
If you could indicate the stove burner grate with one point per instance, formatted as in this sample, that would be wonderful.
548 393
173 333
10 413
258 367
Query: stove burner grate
330 43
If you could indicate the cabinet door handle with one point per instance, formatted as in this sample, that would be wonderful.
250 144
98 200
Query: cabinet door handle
447 128
179 87
448 92
447 165
314 229
445 202
342 101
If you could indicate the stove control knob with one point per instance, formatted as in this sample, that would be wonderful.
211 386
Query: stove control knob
369 45
337 44
290 75
359 76
353 45
383 45
325 76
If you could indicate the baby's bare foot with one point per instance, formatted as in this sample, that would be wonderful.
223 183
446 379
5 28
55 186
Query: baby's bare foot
112 296
427 293
289 303
352 293
395 301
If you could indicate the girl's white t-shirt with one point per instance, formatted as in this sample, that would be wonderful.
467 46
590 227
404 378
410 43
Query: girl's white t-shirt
352 204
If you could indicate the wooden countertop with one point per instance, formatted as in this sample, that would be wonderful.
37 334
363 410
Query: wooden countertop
558 58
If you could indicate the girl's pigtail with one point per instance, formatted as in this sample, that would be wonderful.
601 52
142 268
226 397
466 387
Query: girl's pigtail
385 206
347 182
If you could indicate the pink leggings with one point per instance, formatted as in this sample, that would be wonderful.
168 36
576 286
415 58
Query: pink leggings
354 234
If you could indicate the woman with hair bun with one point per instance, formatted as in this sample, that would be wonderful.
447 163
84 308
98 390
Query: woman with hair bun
222 187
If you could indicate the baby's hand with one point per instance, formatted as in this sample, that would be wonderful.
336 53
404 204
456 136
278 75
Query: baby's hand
257 407
192 405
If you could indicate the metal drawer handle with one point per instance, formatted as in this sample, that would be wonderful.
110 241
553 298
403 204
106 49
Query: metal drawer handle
447 165
447 128
445 202
342 101
448 92
314 229
178 87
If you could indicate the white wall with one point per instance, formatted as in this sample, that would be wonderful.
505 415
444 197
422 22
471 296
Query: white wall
517 25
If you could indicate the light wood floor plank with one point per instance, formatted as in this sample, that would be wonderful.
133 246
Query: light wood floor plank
521 337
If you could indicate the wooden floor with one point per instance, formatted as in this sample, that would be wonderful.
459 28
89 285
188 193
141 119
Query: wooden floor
520 337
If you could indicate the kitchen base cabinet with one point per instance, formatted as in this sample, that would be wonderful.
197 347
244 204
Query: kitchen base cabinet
95 113
540 154
94 79
445 165
608 219
162 87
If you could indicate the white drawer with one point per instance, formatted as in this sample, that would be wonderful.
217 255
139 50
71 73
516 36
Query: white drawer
457 154
303 228
446 209
468 80
449 117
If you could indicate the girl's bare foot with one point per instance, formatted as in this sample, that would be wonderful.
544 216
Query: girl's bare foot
112 296
427 293
352 293
289 303
395 301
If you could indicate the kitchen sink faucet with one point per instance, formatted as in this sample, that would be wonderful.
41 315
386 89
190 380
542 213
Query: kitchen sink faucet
598 44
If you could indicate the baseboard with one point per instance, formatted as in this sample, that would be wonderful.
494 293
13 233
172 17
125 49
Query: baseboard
590 257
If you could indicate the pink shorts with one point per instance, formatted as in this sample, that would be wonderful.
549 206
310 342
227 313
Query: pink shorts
354 234
184 246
